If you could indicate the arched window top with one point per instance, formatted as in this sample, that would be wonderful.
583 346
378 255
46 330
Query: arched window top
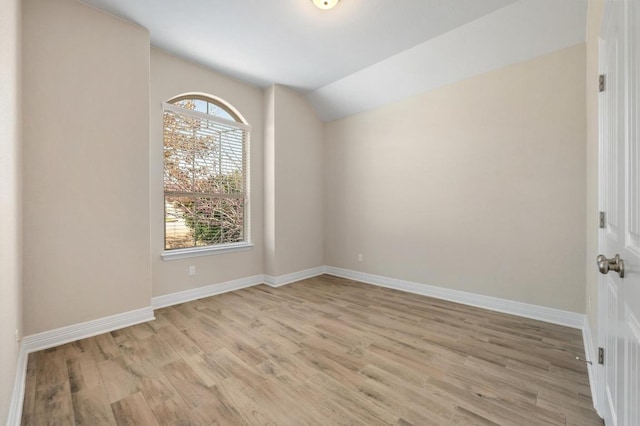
207 105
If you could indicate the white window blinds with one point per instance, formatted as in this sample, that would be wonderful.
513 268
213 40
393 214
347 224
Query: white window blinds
205 179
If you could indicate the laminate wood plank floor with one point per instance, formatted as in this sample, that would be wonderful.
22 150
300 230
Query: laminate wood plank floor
323 351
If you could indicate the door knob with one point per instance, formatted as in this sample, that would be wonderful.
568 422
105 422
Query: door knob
614 264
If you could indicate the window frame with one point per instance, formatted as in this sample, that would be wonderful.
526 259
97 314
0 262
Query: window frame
238 123
209 99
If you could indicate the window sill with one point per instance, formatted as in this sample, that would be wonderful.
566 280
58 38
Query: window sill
205 251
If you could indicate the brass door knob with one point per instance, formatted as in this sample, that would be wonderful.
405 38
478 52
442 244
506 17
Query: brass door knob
614 264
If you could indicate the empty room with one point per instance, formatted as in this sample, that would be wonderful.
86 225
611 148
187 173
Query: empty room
320 212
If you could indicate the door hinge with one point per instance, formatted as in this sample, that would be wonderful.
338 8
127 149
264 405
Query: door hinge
601 83
601 356
601 220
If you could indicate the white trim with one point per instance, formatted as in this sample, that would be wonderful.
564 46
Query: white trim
590 355
60 336
293 277
224 287
17 399
205 251
541 313
201 292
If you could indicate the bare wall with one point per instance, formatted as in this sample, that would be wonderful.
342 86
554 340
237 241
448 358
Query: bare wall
269 95
86 164
10 286
172 76
478 186
294 182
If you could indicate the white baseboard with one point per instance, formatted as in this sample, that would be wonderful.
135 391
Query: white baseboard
590 355
214 289
17 398
206 291
60 336
293 277
541 313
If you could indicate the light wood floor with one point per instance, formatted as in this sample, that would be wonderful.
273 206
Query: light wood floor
322 351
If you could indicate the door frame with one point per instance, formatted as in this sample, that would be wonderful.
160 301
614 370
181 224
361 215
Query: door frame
599 395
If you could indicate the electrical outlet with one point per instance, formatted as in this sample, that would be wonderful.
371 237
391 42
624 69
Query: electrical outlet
360 257
192 270
17 335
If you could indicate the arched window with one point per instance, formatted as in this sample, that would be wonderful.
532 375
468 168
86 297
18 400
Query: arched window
205 174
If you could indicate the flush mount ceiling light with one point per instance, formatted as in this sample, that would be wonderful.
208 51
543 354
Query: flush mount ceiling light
325 4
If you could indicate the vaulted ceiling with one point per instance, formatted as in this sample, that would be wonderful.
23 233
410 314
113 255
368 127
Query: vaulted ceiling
361 54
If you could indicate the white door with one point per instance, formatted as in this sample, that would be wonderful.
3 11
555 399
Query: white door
620 201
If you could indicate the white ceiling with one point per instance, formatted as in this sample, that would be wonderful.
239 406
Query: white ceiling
515 33
325 53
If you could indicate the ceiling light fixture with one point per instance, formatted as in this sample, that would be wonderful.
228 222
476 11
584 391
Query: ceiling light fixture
325 4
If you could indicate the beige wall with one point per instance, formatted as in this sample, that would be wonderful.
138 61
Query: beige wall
294 182
477 186
269 97
494 177
86 164
594 22
171 76
10 288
